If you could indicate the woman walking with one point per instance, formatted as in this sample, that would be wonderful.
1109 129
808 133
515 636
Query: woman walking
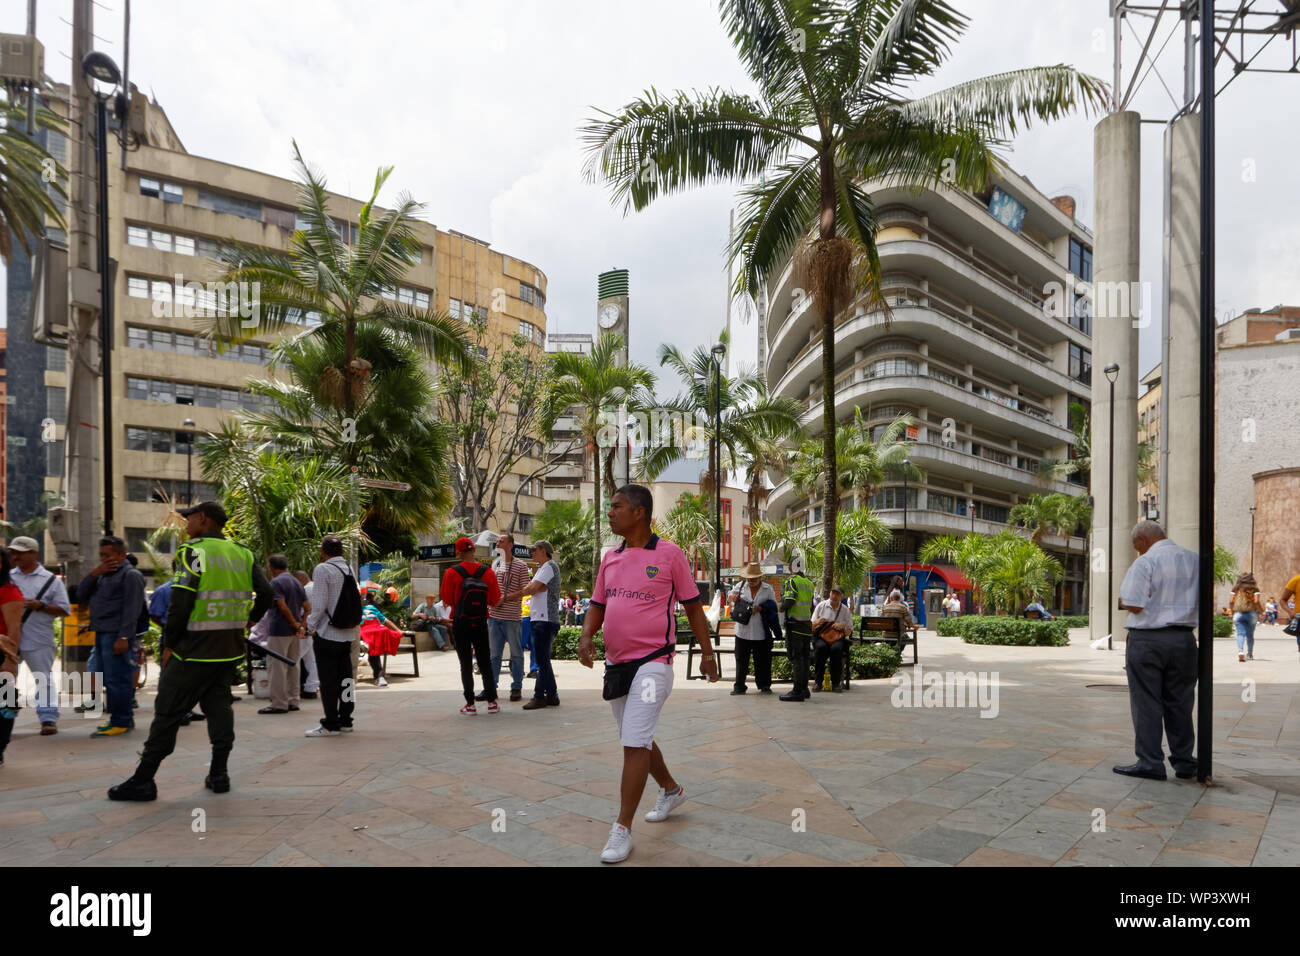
1247 609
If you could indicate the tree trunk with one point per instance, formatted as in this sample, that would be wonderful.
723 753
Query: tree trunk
595 514
831 497
349 353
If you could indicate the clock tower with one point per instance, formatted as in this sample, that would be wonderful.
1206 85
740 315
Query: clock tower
612 319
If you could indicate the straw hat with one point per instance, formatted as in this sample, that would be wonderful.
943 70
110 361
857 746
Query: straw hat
751 571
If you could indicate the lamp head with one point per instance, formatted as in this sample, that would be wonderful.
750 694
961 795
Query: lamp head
188 423
1112 371
100 66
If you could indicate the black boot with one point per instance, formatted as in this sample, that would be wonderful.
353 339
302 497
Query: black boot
134 788
795 694
217 782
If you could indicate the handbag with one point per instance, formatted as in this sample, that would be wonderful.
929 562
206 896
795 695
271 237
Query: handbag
1293 626
742 610
619 677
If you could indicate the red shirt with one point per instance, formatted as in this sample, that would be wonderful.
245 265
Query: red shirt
450 590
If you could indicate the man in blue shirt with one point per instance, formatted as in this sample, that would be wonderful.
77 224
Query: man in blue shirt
115 592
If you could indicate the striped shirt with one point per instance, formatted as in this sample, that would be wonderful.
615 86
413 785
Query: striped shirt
1163 582
510 577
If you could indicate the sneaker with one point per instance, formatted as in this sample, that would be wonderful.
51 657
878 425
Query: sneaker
493 708
49 727
321 732
532 675
82 708
469 710
382 682
1250 657
346 730
618 846
537 703
516 694
666 804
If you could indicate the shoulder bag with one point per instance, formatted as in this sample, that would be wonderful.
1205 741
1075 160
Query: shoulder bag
619 677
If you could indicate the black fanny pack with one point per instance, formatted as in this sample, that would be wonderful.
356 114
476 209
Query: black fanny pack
619 677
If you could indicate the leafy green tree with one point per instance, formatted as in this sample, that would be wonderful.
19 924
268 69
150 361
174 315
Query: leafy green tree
495 412
31 181
567 526
690 525
859 535
828 117
595 383
348 286
1006 569
1225 565
862 464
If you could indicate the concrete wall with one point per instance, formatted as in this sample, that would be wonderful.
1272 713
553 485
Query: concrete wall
1258 401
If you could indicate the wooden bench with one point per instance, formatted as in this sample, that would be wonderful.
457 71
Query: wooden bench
890 630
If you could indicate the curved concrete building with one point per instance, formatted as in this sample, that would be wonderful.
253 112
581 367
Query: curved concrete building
986 349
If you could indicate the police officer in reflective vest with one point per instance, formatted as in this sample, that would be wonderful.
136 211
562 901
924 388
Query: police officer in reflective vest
797 603
218 590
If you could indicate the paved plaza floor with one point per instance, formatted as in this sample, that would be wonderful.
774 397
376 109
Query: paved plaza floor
846 779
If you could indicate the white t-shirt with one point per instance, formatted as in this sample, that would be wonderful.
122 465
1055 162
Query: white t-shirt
539 608
825 612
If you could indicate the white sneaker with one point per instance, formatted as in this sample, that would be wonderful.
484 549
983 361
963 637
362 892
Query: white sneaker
618 846
382 682
321 732
666 804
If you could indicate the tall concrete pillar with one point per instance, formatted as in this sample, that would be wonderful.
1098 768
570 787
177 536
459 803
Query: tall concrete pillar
1116 300
1182 485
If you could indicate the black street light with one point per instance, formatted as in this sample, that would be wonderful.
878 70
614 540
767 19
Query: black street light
719 351
1252 539
1112 373
906 464
189 458
101 68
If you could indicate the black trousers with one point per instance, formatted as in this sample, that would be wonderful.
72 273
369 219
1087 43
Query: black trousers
762 652
181 685
338 692
837 652
1161 666
798 638
474 637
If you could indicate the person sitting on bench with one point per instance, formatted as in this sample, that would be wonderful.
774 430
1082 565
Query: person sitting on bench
1036 605
831 625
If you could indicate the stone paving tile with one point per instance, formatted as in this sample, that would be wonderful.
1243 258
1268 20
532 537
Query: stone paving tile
880 786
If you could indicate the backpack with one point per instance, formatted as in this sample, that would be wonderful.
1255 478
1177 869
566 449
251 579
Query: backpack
473 603
347 610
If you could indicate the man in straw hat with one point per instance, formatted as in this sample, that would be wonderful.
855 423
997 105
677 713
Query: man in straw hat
753 610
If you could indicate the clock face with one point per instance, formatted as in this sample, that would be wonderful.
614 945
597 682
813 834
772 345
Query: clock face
609 316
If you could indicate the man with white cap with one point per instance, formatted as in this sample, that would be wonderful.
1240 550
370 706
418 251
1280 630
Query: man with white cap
44 598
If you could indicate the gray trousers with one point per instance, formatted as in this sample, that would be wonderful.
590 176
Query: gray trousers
1161 666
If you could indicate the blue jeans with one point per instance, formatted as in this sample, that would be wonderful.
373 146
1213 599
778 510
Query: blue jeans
1246 621
526 639
543 634
499 634
118 680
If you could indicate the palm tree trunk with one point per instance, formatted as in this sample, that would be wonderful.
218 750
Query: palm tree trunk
831 497
595 514
349 353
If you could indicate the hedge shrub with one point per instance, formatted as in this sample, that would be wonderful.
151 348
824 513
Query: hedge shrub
1074 620
565 645
866 662
1223 626
1009 630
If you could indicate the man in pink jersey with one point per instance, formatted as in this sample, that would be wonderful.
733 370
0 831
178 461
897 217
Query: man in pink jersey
634 599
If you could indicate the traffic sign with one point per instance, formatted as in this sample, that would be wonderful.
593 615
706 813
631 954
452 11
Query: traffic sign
385 484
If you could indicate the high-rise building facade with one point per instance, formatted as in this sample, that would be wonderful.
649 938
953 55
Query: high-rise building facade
169 213
986 347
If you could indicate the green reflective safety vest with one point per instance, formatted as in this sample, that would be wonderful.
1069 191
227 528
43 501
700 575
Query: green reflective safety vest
222 599
801 589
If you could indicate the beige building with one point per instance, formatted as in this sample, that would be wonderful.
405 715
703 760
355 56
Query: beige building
1148 410
169 211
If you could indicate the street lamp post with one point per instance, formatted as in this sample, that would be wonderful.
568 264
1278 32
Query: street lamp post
972 517
189 458
100 66
906 464
1252 539
719 352
1112 373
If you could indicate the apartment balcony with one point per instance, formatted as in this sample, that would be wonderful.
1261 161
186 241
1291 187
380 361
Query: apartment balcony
991 468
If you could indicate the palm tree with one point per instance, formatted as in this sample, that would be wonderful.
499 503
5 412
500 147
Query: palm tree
784 538
1037 514
1072 513
747 414
829 114
859 535
761 455
325 275
26 182
690 525
390 432
1021 572
1055 469
567 526
861 464
594 383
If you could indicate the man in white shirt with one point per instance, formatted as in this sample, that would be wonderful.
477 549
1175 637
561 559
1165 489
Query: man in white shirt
1160 593
544 611
830 638
44 599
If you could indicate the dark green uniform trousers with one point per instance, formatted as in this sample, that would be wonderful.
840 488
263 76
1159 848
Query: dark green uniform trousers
798 637
182 685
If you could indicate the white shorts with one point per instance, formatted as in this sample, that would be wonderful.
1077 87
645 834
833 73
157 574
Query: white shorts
637 714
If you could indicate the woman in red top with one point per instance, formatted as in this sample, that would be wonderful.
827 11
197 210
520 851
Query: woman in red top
11 625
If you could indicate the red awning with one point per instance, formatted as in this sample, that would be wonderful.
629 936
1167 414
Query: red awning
950 573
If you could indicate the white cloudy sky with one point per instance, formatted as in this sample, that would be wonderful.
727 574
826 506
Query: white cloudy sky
477 105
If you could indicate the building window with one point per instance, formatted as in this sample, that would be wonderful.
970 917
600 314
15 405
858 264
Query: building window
1080 364
56 402
137 388
526 330
185 245
525 524
137 287
944 503
137 236
137 439
1081 260
150 187
453 308
1081 314
532 295
231 205
172 193
892 498
726 532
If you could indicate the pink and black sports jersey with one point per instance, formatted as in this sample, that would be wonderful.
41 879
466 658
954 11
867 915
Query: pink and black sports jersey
638 588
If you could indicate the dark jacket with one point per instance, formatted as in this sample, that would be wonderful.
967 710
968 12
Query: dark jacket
115 600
